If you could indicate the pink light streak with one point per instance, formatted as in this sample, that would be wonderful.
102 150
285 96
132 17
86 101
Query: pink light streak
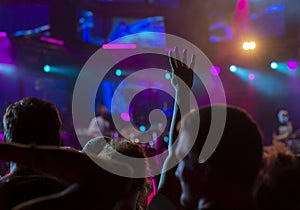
51 40
241 21
118 46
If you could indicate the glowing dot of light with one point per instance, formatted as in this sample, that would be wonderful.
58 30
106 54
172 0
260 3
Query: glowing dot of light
249 45
233 68
47 68
125 116
293 65
251 76
118 72
166 139
168 75
2 34
142 128
274 65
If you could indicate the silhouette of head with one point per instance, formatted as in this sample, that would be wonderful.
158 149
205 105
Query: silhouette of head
234 163
32 120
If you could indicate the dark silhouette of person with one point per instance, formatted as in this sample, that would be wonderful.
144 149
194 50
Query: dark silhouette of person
29 121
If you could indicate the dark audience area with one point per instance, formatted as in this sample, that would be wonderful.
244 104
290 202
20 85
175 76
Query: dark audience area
238 173
149 105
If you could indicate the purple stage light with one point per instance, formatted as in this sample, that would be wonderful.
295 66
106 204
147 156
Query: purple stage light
215 70
125 116
1 137
293 65
2 34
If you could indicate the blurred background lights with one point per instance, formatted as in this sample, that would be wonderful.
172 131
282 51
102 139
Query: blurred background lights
47 68
233 68
118 72
125 116
166 139
215 70
2 34
249 45
292 65
274 65
142 128
168 75
251 76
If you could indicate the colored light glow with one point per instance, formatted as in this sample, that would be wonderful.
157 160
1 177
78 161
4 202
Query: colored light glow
215 70
274 65
166 139
7 68
142 128
2 34
168 75
51 40
47 68
242 5
233 68
118 46
118 72
125 116
251 76
293 65
249 45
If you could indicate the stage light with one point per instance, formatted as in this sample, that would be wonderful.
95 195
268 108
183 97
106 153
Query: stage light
233 68
118 72
293 65
274 65
252 45
142 128
166 139
2 34
125 116
215 70
168 75
47 68
251 76
249 45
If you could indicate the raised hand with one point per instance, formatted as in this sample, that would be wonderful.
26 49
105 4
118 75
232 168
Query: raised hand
181 70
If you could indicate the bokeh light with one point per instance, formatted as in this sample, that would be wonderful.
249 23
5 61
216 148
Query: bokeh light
233 68
292 65
274 65
47 68
251 76
215 70
118 72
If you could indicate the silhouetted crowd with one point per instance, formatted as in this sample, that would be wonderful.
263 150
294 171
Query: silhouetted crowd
228 169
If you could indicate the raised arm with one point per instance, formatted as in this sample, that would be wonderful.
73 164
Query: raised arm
182 81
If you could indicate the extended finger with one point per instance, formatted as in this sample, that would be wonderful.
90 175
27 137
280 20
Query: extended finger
184 59
177 57
193 61
172 61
